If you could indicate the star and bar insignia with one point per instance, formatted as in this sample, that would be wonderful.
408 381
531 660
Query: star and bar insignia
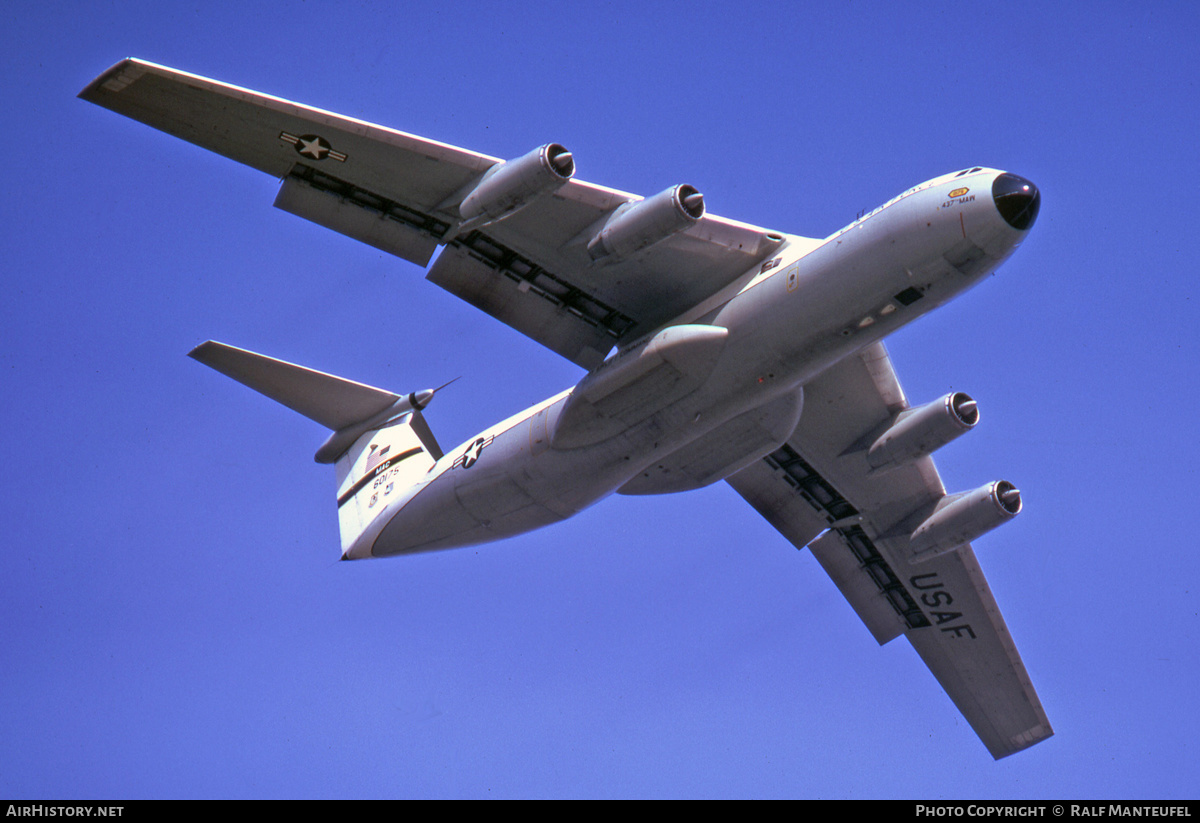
312 146
467 459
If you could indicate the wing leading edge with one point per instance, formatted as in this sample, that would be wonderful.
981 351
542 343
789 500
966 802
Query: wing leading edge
531 269
818 490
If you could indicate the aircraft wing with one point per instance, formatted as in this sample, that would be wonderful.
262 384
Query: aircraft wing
400 193
818 491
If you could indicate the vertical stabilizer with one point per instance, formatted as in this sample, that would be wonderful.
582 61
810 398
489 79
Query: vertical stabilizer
380 467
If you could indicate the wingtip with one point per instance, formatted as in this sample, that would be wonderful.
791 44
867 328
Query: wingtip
1024 741
199 352
92 91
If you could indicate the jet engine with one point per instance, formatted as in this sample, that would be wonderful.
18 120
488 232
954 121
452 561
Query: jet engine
923 430
960 518
639 225
507 187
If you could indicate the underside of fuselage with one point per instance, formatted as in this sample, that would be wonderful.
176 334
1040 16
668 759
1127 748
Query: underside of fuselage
692 404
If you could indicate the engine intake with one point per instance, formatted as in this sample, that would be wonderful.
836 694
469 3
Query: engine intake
923 430
640 225
508 187
961 518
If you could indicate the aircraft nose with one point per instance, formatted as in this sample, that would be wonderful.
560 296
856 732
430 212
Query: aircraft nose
1017 200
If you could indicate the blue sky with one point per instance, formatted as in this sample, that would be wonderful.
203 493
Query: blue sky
175 623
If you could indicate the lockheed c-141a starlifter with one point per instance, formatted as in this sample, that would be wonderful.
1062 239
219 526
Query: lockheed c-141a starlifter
715 350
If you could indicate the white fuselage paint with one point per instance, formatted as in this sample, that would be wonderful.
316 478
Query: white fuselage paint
821 303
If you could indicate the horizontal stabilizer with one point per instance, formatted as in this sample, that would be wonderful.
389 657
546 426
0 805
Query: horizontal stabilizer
334 402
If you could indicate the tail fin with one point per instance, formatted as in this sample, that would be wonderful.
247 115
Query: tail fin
380 444
378 468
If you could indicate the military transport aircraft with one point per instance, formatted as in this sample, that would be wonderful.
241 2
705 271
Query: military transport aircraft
715 350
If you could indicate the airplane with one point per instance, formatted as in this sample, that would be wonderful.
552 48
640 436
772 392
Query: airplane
715 350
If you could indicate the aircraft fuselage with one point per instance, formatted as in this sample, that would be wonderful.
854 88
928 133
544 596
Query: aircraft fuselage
701 399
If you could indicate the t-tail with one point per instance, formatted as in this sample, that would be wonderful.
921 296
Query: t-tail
380 444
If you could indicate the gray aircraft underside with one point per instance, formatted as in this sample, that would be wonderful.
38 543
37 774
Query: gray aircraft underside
764 366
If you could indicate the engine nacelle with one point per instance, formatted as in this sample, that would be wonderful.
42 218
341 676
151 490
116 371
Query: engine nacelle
961 518
508 187
641 225
923 430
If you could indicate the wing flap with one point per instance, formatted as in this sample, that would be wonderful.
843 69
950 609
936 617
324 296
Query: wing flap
774 497
858 586
376 228
538 305
654 286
